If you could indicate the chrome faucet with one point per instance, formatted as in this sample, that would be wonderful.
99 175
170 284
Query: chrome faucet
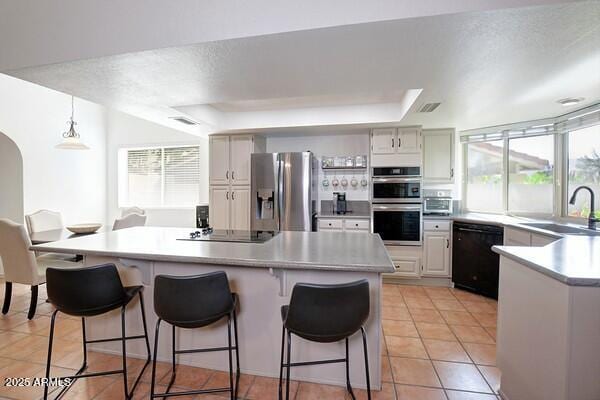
592 220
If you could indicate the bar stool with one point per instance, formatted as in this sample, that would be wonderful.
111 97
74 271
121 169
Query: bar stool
190 302
325 314
86 292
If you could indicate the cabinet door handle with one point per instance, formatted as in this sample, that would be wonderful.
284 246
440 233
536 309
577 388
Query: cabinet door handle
232 195
227 175
447 243
227 195
399 142
392 143
232 175
451 172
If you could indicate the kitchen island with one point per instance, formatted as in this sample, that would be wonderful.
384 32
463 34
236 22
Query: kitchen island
548 338
262 274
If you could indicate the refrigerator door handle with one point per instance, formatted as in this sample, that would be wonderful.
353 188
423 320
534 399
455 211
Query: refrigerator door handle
279 190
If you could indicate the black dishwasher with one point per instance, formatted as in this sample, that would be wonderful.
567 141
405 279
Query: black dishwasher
475 266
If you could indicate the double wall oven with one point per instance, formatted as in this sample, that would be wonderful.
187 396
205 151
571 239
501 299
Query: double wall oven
396 205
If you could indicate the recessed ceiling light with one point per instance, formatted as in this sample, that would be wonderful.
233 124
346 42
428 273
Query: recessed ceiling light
569 101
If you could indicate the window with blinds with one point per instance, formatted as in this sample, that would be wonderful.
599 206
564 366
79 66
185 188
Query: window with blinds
163 177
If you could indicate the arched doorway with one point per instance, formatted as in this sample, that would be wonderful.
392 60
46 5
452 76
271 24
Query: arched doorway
11 182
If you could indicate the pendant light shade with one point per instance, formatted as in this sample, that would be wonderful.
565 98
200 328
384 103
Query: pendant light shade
71 139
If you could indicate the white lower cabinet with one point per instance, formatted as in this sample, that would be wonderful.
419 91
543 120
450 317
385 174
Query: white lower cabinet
240 209
219 207
229 207
436 254
344 225
521 237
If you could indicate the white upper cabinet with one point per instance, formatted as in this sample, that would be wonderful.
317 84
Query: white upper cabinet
409 140
240 208
241 147
384 141
438 155
396 147
219 160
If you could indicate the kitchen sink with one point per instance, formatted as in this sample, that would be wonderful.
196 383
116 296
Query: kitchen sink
557 228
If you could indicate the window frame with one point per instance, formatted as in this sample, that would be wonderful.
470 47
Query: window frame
122 174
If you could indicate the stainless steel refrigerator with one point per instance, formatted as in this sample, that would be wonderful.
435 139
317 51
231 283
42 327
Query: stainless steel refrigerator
283 192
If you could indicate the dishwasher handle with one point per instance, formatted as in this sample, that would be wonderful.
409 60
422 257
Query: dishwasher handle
478 231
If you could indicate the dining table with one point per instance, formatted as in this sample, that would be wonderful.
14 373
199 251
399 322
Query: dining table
54 235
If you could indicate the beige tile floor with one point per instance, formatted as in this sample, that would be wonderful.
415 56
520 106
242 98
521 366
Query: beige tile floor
439 345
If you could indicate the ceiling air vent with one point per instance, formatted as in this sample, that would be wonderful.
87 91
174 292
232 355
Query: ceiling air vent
184 120
428 107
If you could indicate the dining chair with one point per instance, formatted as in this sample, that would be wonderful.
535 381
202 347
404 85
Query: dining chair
43 220
21 265
129 221
132 210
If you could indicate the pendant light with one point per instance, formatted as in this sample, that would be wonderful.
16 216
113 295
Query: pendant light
71 139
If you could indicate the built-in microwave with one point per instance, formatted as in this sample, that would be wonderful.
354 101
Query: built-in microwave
396 185
397 224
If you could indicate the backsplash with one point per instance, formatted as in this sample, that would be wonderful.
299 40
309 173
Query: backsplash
358 207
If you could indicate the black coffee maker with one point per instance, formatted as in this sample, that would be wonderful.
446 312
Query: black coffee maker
339 203
202 216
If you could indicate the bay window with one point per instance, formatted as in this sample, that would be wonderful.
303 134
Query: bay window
518 168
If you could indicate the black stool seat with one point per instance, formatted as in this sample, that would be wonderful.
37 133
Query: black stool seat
193 301
90 291
325 314
190 302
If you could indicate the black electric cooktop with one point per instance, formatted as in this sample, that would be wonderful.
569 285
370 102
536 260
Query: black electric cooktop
222 235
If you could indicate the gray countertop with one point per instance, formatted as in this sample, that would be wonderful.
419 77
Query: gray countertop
571 259
362 252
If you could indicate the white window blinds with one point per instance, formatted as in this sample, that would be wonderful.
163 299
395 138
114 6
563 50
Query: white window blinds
182 176
163 177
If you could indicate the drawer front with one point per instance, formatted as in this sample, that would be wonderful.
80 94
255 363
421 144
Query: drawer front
357 224
331 224
436 226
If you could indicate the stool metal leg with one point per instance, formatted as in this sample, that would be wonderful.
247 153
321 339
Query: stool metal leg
281 365
364 337
237 354
124 348
173 359
154 359
348 386
50 340
289 365
230 357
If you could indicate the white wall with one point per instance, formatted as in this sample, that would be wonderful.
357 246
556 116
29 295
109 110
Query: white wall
127 131
354 142
71 182
11 180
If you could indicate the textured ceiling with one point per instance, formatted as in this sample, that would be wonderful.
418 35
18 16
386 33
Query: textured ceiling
486 68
